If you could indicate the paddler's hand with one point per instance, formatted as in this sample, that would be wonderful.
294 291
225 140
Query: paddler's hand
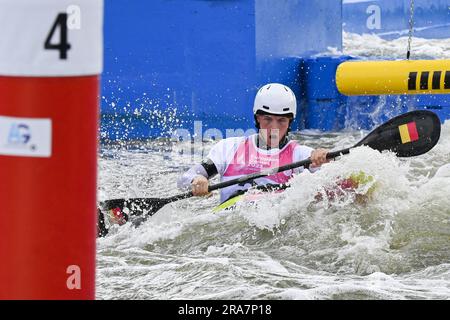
200 186
319 157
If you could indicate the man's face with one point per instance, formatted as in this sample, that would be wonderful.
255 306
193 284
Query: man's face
272 128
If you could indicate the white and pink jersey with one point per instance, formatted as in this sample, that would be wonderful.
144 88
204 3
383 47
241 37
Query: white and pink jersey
240 156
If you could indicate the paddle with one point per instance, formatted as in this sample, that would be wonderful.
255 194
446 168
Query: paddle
410 134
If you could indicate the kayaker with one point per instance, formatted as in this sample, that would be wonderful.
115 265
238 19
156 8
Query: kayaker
275 107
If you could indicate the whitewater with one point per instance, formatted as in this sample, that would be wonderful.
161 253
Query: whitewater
395 246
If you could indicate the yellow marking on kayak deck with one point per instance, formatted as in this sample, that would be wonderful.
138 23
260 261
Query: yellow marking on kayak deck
228 203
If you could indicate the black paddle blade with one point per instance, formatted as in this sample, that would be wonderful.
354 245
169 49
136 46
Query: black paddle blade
120 211
410 134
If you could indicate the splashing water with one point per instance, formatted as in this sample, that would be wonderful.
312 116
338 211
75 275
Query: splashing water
395 245
371 45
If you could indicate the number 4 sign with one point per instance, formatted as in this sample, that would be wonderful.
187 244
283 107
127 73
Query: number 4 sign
51 37
63 46
64 21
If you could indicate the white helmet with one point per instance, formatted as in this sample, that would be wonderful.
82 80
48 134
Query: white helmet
275 98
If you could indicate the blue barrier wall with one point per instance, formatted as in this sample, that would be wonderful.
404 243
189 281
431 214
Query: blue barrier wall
169 63
390 18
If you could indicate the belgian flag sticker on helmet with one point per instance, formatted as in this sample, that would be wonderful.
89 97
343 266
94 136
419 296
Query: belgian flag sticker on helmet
408 132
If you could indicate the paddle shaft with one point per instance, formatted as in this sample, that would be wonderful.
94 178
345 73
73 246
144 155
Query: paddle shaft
159 203
247 178
241 180
269 172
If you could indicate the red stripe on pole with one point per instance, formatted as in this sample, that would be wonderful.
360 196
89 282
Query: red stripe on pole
48 205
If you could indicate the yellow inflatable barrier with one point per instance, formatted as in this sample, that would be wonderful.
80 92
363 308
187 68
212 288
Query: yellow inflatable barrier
393 77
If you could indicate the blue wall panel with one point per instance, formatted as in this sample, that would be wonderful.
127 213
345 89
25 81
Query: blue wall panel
162 56
171 62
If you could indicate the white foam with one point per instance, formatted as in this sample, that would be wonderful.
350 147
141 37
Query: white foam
371 45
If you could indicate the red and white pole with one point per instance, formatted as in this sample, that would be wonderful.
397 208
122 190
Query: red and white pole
50 62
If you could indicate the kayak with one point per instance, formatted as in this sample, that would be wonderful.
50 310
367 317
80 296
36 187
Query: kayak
137 212
335 192
246 198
